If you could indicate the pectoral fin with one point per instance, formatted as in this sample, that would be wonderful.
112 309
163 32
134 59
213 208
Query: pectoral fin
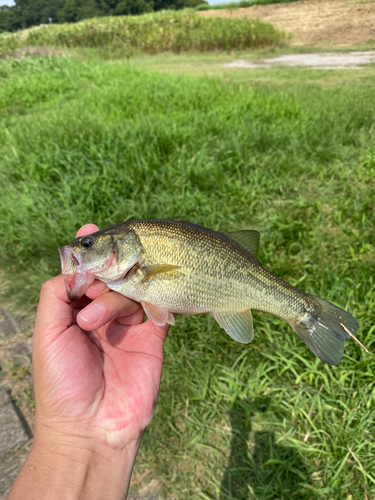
158 315
239 326
149 271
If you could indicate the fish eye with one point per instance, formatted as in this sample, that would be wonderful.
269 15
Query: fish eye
87 242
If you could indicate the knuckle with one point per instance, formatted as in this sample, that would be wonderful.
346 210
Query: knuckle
49 287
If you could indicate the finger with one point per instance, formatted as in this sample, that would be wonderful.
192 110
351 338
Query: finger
106 308
134 319
159 331
96 289
55 313
87 229
81 303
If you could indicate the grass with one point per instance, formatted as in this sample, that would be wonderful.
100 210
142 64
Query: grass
152 33
288 154
213 65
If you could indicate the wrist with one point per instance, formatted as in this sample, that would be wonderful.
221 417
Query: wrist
70 467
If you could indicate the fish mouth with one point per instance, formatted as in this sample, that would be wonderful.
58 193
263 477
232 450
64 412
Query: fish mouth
76 279
70 261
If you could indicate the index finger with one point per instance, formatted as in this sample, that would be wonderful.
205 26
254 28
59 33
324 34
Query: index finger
87 229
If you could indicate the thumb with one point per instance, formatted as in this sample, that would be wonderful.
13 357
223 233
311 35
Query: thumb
55 314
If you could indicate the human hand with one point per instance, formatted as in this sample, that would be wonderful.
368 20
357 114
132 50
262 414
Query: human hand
97 368
97 365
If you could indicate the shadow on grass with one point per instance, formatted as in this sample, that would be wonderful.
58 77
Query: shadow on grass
268 471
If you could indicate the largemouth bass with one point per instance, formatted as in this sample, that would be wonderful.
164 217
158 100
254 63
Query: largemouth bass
172 266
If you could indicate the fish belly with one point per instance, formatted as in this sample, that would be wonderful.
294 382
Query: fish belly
179 292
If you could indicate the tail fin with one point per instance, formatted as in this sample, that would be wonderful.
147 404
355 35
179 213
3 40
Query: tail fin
321 331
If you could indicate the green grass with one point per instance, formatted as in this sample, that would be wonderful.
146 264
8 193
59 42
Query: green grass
212 65
152 33
292 156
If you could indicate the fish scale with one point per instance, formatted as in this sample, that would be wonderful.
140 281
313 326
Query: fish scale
172 266
238 283
211 275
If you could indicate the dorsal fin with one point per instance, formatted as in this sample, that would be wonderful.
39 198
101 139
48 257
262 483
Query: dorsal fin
183 221
247 238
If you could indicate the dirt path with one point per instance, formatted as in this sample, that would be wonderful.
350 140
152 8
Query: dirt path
315 22
336 60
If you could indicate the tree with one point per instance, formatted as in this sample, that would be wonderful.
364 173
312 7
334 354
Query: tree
109 6
176 4
76 10
50 10
132 7
10 18
69 12
90 8
28 13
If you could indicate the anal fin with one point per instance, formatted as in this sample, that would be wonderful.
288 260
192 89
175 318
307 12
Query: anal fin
158 315
238 325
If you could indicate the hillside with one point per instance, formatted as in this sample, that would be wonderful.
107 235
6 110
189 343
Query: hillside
151 33
314 22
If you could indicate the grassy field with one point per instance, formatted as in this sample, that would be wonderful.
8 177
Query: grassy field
213 65
288 152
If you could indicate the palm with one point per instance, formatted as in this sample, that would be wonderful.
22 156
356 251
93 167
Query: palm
100 373
132 359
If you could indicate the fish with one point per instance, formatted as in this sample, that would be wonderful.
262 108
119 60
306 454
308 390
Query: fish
177 267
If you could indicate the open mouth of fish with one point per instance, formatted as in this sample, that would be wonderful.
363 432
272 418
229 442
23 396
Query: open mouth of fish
77 281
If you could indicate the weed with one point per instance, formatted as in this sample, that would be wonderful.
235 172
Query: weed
152 33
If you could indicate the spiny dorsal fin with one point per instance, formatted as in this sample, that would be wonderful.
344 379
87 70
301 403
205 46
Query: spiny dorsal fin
183 221
149 271
239 326
247 238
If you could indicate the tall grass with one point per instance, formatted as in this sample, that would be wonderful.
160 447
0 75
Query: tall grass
101 143
152 33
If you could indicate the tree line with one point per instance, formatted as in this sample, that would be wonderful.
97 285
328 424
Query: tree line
27 13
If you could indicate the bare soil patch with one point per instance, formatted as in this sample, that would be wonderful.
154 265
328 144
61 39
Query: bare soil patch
314 22
335 60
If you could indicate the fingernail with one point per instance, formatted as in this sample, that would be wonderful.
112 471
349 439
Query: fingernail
91 314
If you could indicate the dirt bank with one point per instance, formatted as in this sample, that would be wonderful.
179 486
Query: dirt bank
315 22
